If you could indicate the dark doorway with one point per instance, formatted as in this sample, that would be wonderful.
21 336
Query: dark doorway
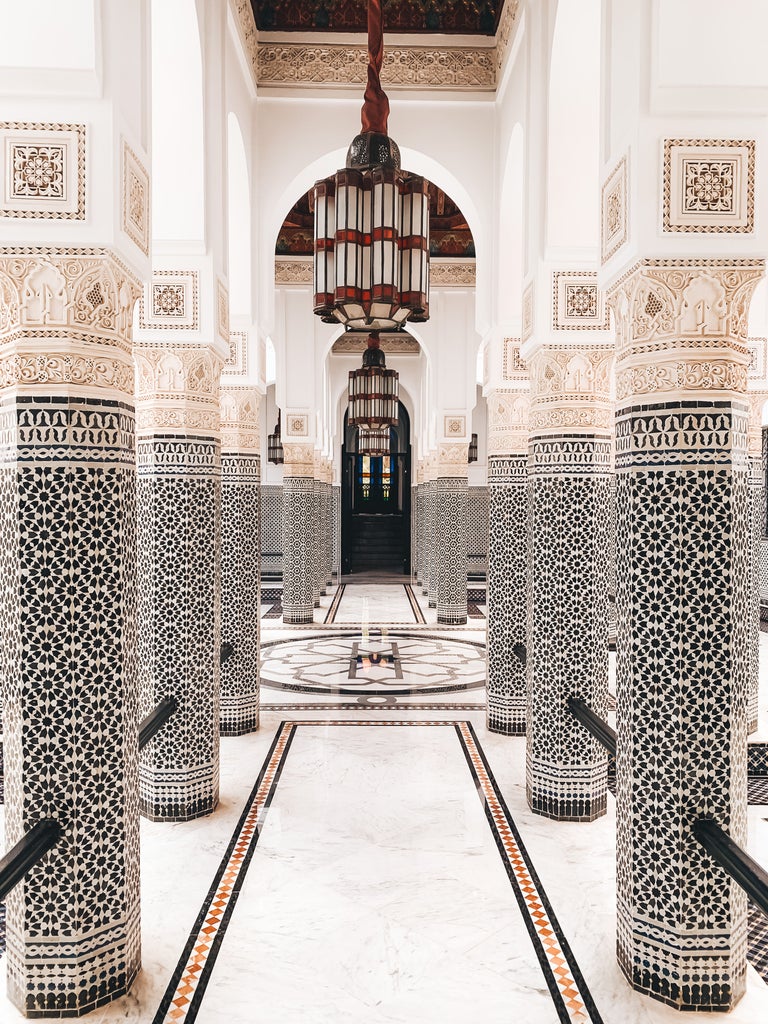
376 503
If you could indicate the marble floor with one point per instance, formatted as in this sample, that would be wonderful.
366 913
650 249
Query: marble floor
376 855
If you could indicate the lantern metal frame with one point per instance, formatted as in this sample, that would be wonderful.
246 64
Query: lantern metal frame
275 452
472 451
374 441
373 390
371 266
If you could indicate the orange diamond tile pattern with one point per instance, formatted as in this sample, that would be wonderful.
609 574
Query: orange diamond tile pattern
568 987
249 831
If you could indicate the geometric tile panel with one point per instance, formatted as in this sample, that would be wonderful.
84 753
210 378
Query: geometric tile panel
272 528
430 524
179 499
568 520
451 540
240 556
67 535
507 593
477 530
682 598
298 549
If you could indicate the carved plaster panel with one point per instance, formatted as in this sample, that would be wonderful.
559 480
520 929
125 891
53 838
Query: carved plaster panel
451 459
73 294
42 169
614 223
577 302
758 360
135 199
237 360
709 185
299 459
296 423
447 274
222 310
293 271
391 344
513 366
454 426
447 67
170 301
705 304
240 429
508 413
527 330
571 387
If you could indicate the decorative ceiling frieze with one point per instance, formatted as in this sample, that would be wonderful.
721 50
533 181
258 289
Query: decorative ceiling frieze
285 63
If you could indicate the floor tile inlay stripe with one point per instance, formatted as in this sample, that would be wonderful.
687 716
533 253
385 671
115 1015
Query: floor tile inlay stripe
334 608
570 995
418 614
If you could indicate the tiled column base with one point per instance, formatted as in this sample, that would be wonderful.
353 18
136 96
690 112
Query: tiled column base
298 592
568 517
68 622
451 502
507 593
180 621
683 576
431 524
757 515
240 558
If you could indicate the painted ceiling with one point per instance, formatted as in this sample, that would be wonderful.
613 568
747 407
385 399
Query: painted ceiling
465 17
449 233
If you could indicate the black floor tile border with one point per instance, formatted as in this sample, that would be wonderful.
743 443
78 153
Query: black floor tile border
333 611
418 614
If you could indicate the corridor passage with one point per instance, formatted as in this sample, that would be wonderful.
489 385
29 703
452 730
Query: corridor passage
373 859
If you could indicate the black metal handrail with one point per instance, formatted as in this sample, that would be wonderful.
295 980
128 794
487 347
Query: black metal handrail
156 719
742 868
31 848
593 723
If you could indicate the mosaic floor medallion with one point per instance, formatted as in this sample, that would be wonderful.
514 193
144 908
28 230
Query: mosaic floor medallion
374 664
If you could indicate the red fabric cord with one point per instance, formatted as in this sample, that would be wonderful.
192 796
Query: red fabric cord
376 107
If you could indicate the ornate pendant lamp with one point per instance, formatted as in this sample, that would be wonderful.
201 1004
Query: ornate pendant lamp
472 453
275 445
375 441
372 222
373 390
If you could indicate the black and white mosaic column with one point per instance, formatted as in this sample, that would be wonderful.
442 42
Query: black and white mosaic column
179 501
336 530
328 492
568 565
240 559
451 505
431 534
507 596
757 517
414 534
318 586
68 611
298 539
683 582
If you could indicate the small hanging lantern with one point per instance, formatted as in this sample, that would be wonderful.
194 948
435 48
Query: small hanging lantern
472 453
374 441
372 222
275 445
373 390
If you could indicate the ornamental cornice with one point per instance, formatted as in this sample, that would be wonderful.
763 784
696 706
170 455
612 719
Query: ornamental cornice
298 459
25 365
176 418
391 344
181 373
570 375
443 273
240 420
315 64
290 270
83 295
660 305
508 414
669 373
451 460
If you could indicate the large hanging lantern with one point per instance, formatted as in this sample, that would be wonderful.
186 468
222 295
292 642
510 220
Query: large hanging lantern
472 453
372 222
275 445
373 390
374 441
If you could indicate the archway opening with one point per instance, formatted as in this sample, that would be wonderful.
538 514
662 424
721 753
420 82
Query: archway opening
376 503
